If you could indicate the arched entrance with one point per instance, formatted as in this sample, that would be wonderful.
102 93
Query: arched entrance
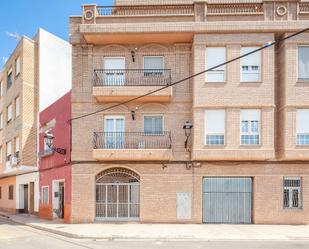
117 195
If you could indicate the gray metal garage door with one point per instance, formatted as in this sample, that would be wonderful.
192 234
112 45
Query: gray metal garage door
227 200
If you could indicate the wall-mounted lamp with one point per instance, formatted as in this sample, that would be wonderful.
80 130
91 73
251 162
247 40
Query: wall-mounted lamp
49 137
133 52
133 115
187 128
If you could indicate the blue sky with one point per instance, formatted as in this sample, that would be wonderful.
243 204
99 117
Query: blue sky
26 16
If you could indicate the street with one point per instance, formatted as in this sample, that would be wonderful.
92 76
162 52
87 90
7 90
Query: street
14 236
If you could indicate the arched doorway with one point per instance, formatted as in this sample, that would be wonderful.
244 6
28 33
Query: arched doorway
117 195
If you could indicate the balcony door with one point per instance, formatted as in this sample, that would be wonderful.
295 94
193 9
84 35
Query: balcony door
114 132
114 71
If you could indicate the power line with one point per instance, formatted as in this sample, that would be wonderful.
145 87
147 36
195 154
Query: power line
193 76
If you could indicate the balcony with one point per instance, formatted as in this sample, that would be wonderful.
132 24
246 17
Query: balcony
132 146
122 85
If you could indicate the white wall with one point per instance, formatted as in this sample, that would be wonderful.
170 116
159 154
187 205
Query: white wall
55 68
26 179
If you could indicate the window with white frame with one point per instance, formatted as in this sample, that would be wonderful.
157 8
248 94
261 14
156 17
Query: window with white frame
17 147
302 127
46 147
153 124
9 113
8 151
292 192
45 195
214 127
213 57
17 66
1 121
153 65
9 78
303 62
114 71
17 106
250 65
250 127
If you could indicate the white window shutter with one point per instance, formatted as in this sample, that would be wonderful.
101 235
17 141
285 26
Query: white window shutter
303 62
302 121
215 121
114 63
250 115
153 62
252 59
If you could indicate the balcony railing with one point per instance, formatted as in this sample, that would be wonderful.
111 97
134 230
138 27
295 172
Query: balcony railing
146 10
132 140
304 8
132 77
235 9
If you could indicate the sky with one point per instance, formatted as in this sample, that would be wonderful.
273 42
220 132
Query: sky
25 17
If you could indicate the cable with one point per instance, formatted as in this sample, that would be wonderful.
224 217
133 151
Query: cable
192 76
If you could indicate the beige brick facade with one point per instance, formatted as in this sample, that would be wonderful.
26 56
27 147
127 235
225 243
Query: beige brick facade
181 36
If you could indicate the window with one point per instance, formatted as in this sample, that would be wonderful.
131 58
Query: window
17 147
46 147
17 106
302 127
8 151
214 57
17 66
292 192
114 135
303 63
250 127
9 79
45 197
153 124
9 113
153 65
114 71
250 65
1 121
1 88
214 127
11 192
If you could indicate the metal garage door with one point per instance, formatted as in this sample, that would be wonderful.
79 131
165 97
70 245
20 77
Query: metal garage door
227 200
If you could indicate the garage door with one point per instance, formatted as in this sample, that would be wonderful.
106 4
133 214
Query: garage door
227 200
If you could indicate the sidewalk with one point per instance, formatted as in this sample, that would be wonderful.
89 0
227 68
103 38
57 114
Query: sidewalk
165 231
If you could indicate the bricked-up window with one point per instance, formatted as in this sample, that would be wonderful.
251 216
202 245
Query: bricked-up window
45 197
302 127
9 78
213 57
214 127
11 192
303 62
17 66
250 127
292 192
1 121
8 151
17 106
153 125
9 111
250 65
153 65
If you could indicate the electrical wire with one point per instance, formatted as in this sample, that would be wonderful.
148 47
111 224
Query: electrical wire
192 76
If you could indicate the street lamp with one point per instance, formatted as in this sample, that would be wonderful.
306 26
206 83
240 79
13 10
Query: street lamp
49 137
187 128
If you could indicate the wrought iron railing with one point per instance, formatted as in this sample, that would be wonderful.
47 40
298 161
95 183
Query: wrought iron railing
234 9
132 77
146 10
132 140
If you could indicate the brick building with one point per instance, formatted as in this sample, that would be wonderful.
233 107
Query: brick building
247 157
54 167
28 84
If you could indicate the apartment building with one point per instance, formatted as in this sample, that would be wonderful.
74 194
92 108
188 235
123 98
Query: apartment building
54 164
28 84
227 146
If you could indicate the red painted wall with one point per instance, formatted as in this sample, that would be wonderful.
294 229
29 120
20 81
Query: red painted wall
56 166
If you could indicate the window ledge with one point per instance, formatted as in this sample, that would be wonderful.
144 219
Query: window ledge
304 81
250 82
293 209
214 146
215 82
301 146
250 146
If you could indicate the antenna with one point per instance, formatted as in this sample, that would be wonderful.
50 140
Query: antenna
14 35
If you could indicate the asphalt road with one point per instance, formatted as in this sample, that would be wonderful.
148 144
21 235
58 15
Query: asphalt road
13 236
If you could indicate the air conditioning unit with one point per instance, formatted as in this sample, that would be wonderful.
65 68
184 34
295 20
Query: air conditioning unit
14 160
